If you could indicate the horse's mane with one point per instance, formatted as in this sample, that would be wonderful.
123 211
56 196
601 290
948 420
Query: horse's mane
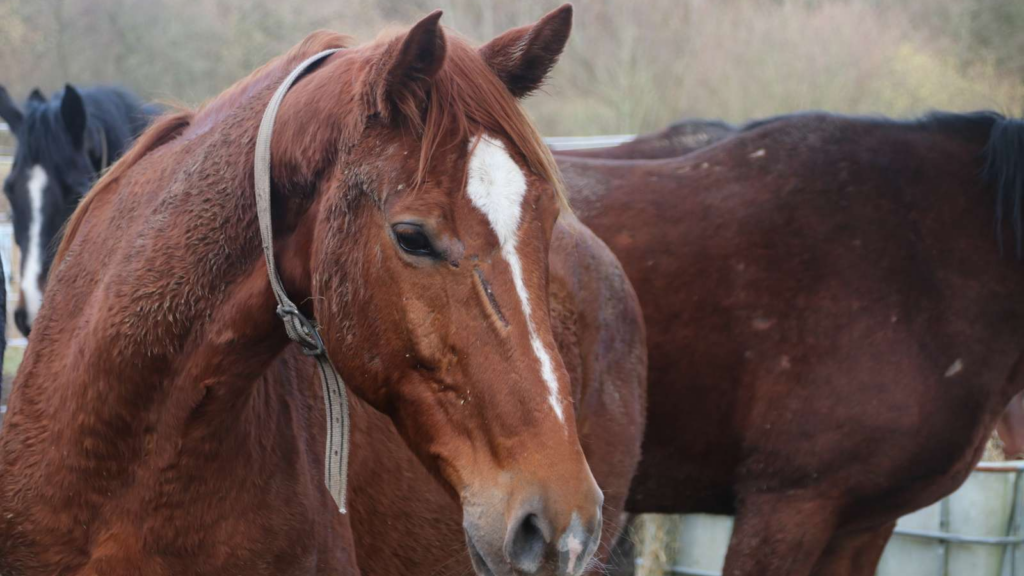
465 97
47 143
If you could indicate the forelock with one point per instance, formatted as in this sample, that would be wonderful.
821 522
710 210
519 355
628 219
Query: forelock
467 99
43 139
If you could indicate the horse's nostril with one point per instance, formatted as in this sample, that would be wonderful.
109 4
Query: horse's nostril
529 543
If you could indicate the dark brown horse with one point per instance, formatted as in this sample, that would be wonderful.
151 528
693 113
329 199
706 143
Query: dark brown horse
688 136
1011 428
161 423
832 329
678 139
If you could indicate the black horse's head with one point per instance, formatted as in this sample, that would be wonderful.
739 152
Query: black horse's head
62 146
58 157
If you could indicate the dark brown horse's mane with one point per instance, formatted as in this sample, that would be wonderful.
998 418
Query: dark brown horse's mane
464 98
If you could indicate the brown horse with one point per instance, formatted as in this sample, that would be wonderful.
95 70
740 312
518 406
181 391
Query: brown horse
161 424
404 521
678 139
832 330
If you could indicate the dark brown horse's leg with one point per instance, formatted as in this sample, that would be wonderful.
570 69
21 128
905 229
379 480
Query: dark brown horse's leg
854 554
1011 427
779 535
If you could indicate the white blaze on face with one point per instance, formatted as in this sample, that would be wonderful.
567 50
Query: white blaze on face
496 186
32 271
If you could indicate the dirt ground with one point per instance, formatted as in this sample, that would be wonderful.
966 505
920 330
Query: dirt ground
993 450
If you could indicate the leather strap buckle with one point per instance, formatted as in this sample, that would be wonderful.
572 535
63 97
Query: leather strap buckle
310 340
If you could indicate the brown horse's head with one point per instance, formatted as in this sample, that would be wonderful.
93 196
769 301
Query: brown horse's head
427 263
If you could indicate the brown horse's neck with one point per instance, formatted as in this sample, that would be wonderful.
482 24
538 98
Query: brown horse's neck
126 435
167 341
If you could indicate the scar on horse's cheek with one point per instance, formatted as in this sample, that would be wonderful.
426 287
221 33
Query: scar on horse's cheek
455 253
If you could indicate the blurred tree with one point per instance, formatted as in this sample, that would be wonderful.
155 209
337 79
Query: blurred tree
629 67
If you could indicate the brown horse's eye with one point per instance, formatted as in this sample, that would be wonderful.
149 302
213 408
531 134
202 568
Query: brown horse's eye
414 240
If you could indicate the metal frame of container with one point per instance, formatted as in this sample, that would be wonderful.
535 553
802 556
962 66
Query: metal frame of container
587 142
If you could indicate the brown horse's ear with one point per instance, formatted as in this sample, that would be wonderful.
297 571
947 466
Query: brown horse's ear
522 57
413 64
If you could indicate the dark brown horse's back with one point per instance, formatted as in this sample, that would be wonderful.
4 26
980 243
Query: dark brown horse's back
827 309
678 139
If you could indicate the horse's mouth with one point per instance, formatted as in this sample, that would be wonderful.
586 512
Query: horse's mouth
480 564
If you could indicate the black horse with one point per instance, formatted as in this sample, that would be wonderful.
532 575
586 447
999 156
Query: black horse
63 145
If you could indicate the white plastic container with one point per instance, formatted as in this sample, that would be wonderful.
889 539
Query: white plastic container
976 531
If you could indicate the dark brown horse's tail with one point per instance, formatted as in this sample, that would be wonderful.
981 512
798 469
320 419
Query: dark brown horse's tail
1004 171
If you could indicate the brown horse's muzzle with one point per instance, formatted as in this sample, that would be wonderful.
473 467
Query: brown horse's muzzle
532 528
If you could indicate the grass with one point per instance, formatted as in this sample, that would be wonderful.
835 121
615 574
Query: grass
12 360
